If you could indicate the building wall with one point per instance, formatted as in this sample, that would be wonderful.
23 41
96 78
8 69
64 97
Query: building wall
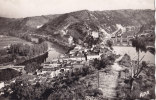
121 41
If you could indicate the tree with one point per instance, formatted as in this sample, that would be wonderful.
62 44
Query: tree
136 73
8 74
41 39
151 50
140 44
22 90
109 43
107 58
89 40
26 37
31 67
85 55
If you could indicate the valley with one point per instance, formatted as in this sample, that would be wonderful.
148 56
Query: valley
81 55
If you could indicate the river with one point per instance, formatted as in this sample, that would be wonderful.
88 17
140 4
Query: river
55 52
133 54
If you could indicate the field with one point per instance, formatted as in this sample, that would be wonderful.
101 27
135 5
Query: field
7 40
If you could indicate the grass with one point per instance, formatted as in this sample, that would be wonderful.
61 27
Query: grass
7 40
142 84
108 82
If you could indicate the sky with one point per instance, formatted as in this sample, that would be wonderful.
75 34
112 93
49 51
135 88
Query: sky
26 8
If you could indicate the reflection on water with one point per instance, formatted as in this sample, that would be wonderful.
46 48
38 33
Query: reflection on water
133 54
53 54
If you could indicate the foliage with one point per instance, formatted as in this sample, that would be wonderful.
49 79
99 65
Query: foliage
142 81
27 50
8 74
39 59
32 67
21 52
19 49
23 90
6 59
3 52
151 50
107 58
41 40
139 43
26 37
66 86
109 43
89 40
125 61
94 92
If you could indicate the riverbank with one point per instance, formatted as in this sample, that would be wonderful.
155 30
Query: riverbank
39 59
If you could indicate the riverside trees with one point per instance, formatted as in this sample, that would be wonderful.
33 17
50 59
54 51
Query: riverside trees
31 67
28 50
21 52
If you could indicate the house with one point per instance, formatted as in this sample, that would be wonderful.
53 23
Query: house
77 58
90 57
95 34
48 69
1 85
52 65
79 66
18 67
55 73
78 47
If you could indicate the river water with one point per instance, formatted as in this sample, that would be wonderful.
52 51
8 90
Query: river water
55 53
133 54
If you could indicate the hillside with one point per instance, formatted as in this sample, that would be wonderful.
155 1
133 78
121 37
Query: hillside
12 26
77 25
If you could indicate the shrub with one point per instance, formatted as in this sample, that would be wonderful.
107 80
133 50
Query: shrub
94 92
125 61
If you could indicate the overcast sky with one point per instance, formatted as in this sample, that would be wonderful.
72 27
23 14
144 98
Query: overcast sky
25 8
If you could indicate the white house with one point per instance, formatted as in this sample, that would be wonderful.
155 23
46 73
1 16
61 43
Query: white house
95 34
1 85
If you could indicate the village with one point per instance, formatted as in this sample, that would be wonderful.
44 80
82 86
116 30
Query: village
80 56
75 59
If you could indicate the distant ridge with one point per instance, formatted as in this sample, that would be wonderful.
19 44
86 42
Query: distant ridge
77 24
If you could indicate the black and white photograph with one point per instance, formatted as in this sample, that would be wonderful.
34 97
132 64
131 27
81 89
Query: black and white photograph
77 50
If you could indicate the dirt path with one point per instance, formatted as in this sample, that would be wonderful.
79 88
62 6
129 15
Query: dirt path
108 81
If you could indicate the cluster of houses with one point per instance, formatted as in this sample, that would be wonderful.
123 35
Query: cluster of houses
63 64
35 37
123 38
18 68
122 41
77 58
